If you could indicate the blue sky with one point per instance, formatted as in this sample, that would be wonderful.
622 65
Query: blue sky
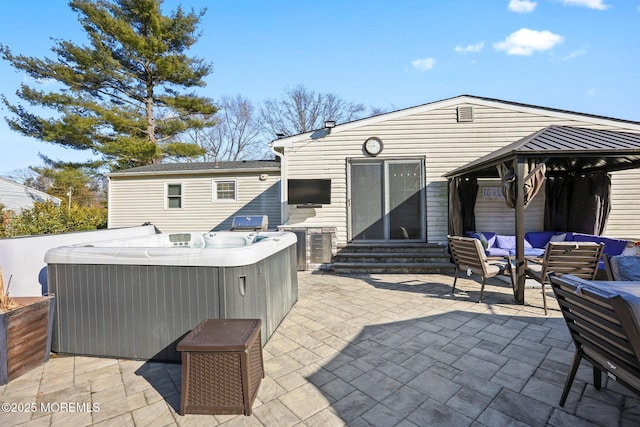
577 55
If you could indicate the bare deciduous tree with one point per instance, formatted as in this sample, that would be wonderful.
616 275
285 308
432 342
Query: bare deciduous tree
302 110
241 132
236 135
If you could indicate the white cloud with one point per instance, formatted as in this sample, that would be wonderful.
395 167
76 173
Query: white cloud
522 6
472 48
592 92
424 64
525 42
579 52
591 4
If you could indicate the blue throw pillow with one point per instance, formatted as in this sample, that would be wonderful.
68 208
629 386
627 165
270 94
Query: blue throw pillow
506 242
538 239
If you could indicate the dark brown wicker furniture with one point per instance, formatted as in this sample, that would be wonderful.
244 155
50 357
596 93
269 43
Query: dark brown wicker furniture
580 259
468 255
222 367
603 321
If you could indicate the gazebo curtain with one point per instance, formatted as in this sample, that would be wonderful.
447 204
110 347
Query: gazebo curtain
573 203
463 193
578 203
533 181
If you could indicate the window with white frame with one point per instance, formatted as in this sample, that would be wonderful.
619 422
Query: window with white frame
224 190
174 196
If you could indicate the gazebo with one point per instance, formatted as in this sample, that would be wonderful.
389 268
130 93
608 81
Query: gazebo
572 164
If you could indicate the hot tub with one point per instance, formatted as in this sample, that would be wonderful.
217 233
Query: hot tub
137 297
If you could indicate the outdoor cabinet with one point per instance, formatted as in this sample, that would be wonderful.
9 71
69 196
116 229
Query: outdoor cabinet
320 248
222 367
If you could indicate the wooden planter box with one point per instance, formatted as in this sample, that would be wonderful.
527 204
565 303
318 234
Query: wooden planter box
25 336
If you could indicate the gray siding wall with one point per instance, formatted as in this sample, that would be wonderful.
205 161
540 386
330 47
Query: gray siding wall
493 214
16 197
446 145
136 200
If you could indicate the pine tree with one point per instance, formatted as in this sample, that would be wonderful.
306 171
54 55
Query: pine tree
123 96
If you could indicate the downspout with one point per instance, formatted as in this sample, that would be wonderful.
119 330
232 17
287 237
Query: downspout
283 174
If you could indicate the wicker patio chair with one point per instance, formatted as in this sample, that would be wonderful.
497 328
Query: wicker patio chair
468 255
604 327
580 259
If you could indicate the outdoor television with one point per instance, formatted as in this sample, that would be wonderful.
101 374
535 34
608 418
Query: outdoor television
309 191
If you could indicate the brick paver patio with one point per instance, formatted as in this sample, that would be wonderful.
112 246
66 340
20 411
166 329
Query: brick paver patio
381 350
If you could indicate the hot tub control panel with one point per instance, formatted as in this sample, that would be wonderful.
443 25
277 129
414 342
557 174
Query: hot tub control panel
181 240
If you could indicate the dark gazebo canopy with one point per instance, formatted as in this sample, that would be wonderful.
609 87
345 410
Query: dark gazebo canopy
564 150
559 152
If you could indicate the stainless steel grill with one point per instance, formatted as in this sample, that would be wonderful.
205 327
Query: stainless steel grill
250 223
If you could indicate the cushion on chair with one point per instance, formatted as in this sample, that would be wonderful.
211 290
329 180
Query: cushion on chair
535 271
483 240
488 236
625 267
509 242
491 238
529 251
493 270
612 246
497 252
480 250
538 239
560 237
506 242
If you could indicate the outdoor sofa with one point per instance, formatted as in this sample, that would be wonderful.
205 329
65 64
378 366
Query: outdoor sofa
497 245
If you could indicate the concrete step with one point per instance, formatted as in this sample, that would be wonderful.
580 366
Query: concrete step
396 257
391 257
393 267
393 248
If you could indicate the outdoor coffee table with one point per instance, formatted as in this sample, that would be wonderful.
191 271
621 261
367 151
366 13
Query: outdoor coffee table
222 367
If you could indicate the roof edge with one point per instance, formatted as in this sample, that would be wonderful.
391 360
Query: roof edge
286 142
31 189
195 172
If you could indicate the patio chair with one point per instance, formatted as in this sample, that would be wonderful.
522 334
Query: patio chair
580 259
604 327
468 255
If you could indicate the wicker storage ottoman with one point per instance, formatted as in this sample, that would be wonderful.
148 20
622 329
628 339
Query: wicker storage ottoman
221 367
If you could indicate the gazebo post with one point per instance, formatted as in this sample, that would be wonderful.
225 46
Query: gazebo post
519 212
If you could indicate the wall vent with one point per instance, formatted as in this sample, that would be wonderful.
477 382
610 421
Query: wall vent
465 114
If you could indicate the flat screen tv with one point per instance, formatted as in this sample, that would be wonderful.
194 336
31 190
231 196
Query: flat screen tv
309 191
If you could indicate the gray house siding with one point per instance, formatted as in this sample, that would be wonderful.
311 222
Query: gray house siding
433 132
138 198
15 197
